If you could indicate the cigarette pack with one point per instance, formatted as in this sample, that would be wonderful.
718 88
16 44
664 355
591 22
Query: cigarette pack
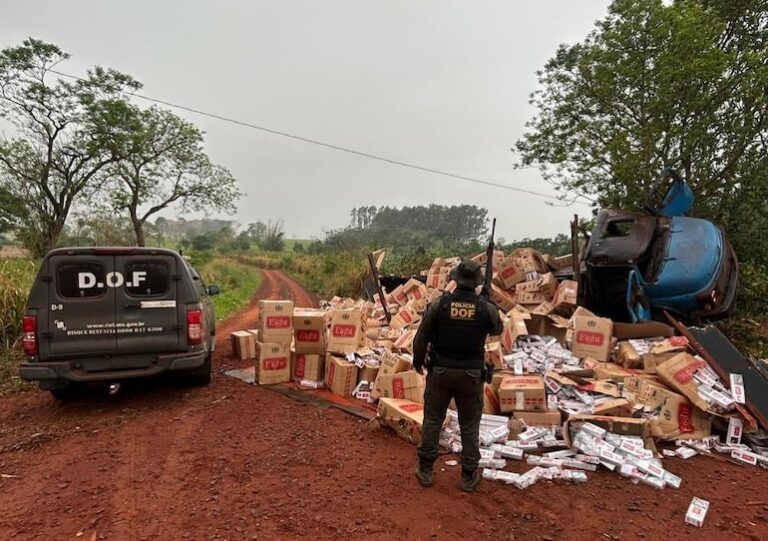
697 512
735 430
737 388
745 456
686 452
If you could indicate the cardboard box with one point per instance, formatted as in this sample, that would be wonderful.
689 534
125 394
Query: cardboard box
532 298
404 343
494 355
613 371
523 393
368 373
276 321
340 375
618 407
678 419
662 352
415 290
501 298
628 357
510 272
498 376
491 403
404 317
563 261
623 426
592 337
550 418
433 275
513 329
405 417
392 363
243 345
309 331
544 323
308 366
548 285
678 374
273 363
566 297
408 385
346 331
530 260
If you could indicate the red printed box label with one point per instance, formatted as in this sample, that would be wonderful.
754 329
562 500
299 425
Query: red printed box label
590 338
685 374
308 336
685 418
398 388
278 322
411 408
344 331
300 366
509 271
277 363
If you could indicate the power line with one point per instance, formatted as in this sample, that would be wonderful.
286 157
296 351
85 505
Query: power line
332 146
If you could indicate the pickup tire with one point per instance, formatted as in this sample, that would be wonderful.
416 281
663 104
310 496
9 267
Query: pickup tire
201 375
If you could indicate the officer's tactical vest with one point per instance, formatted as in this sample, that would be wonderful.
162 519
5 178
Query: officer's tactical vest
462 325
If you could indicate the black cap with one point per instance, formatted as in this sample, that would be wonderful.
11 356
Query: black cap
467 274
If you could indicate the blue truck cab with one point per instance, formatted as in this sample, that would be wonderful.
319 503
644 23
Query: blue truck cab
638 265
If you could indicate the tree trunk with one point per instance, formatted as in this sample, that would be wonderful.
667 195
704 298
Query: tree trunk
138 229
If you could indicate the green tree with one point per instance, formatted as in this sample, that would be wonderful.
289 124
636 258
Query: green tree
657 84
65 137
164 163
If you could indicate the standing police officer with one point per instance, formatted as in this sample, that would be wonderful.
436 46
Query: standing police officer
456 326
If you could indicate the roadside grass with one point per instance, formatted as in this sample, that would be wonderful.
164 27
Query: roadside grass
237 279
16 276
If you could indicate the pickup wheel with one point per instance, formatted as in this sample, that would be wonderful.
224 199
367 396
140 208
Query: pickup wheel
202 374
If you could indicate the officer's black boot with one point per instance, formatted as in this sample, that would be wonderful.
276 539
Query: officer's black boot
425 474
469 479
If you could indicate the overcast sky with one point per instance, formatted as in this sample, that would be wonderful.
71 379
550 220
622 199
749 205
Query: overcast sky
443 84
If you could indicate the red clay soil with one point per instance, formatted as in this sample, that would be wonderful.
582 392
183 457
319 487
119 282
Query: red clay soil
231 461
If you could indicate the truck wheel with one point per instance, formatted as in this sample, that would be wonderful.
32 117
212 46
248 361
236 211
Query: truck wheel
66 394
202 374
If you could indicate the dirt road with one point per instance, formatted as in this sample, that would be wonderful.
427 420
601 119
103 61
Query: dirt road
231 461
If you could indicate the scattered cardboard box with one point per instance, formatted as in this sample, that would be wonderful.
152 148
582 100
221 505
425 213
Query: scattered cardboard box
340 375
405 417
523 393
592 337
243 345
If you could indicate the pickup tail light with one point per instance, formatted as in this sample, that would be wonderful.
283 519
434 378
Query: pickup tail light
194 327
29 335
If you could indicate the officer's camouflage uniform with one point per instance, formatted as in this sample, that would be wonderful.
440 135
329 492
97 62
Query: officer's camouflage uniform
456 327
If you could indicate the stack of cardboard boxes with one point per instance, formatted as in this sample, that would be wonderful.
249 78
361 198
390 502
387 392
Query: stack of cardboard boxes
273 349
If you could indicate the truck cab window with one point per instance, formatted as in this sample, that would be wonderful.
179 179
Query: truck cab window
81 280
147 279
